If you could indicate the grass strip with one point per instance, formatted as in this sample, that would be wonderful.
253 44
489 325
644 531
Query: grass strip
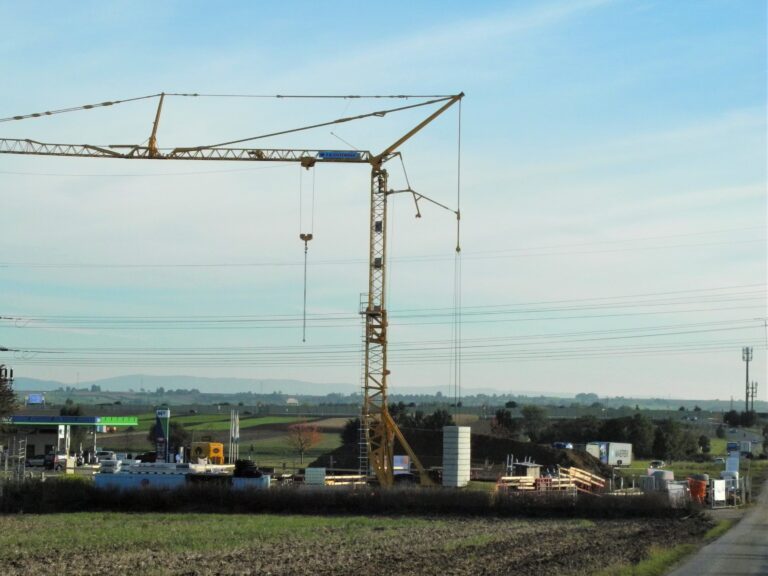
658 562
718 529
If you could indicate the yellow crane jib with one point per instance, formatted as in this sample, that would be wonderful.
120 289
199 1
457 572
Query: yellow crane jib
380 429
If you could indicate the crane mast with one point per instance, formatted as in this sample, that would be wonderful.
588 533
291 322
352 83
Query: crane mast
379 427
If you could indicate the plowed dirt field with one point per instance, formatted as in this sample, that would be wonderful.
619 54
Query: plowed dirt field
195 544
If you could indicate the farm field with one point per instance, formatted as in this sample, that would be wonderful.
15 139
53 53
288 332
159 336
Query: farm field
215 422
263 439
190 544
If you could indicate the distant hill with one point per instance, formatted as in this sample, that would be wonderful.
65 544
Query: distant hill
20 384
220 387
137 382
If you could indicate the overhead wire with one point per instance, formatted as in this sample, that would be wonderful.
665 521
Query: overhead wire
410 357
457 273
471 315
350 261
487 341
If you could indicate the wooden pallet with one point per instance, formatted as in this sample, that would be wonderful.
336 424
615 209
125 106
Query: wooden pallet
583 481
516 483
345 480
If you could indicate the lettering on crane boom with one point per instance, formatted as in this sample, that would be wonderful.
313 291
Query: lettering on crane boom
339 155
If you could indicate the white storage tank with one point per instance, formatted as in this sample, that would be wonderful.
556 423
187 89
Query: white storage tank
456 455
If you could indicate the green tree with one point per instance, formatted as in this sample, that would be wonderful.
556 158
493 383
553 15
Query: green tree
748 419
503 424
178 435
303 437
350 434
720 431
438 419
586 398
76 433
765 439
578 430
641 435
511 405
399 412
732 418
672 441
704 444
534 421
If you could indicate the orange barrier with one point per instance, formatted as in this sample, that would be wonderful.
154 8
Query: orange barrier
698 490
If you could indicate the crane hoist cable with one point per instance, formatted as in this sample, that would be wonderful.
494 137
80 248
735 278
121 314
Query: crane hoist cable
305 237
457 276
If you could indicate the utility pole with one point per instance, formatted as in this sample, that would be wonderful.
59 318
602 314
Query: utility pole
746 355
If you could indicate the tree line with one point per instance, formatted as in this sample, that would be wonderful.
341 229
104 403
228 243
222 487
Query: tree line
667 439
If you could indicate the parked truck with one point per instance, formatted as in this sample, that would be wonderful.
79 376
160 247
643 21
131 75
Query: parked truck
212 452
611 453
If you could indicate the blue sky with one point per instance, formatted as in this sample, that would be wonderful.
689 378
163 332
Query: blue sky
613 193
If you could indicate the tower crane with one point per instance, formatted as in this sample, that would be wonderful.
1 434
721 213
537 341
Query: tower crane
379 427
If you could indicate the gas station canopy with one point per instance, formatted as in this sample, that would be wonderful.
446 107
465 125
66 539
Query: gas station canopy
72 420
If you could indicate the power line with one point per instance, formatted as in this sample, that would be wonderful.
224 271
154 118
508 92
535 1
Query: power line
356 261
341 320
416 358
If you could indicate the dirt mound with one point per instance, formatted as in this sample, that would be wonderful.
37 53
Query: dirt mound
428 446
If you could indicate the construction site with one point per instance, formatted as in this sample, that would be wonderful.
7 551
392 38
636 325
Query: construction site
482 474
439 289
384 454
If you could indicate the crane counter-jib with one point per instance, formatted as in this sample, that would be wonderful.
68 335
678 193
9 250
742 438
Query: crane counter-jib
379 427
305 156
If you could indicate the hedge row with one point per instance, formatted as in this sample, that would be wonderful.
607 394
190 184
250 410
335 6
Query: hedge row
35 497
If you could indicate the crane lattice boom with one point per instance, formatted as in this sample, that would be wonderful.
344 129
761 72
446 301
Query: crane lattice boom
380 429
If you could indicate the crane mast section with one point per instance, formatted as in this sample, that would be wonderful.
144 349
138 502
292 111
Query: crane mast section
32 147
380 429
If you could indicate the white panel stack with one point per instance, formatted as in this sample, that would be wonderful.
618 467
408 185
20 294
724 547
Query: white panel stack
456 455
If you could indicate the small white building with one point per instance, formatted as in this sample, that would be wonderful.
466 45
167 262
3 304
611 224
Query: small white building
456 455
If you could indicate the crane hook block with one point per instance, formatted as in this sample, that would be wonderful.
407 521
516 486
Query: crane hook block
305 237
308 162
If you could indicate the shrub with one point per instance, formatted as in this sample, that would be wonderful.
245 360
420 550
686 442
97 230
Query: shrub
53 496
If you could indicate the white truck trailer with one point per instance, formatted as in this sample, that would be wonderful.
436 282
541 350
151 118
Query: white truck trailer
611 453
